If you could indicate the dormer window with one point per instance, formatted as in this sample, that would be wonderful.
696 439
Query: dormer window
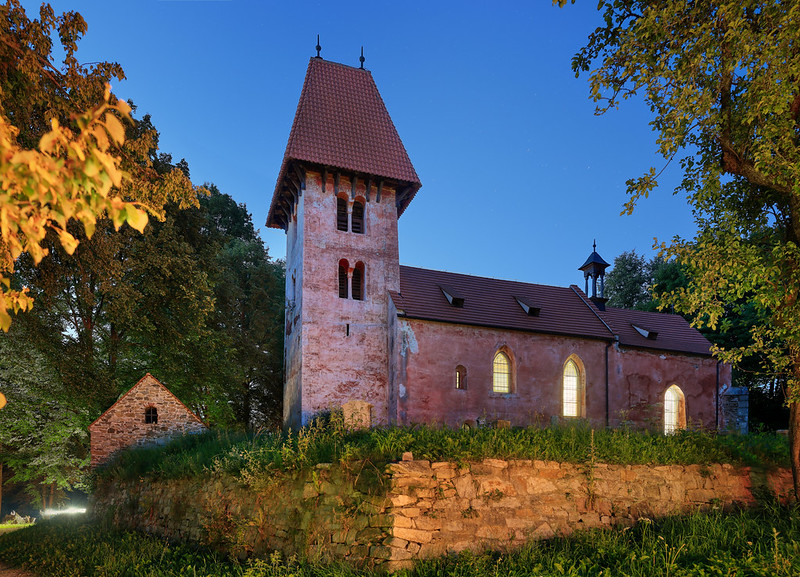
151 416
648 334
452 297
527 306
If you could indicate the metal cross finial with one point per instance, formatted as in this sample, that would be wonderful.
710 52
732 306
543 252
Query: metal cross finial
594 245
318 47
361 58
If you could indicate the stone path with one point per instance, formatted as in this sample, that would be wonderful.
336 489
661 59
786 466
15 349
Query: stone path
6 571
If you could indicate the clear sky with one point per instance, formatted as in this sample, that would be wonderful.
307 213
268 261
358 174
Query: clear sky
518 174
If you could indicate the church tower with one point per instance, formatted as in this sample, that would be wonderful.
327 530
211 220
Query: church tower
344 181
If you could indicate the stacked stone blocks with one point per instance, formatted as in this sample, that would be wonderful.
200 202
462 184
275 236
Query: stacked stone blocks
418 509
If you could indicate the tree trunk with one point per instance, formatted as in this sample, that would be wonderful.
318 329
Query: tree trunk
794 437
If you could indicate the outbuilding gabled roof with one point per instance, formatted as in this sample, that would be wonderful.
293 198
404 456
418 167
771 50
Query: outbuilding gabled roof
342 123
471 300
147 380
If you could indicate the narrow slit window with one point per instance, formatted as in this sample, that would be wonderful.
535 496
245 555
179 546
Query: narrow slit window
343 266
341 214
151 415
358 282
357 224
461 377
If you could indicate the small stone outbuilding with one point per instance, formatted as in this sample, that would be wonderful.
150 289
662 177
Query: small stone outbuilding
147 414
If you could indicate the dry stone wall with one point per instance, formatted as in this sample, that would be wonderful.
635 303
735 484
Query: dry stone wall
418 509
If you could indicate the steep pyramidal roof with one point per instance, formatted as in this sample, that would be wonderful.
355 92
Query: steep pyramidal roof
342 123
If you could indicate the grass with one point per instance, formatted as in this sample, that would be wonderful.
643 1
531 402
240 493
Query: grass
327 441
763 541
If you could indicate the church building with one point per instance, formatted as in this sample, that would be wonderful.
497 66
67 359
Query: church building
425 346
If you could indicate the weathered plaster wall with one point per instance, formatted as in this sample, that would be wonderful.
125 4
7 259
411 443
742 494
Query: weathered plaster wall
431 351
343 344
418 509
640 378
293 337
123 425
428 353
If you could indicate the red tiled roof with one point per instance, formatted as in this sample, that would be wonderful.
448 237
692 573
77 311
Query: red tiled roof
342 122
490 302
564 311
674 332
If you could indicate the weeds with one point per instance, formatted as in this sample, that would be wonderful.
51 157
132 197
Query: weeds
764 541
257 458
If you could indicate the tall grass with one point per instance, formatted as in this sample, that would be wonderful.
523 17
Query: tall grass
764 541
328 441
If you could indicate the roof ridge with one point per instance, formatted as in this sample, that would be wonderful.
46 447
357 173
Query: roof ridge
579 292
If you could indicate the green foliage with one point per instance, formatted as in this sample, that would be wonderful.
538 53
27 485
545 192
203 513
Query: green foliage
255 457
720 78
763 541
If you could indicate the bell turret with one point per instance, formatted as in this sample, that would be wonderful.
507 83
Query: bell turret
595 268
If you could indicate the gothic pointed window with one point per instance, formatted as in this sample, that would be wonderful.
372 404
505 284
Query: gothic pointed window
357 224
674 410
341 214
358 282
151 415
343 268
572 390
501 373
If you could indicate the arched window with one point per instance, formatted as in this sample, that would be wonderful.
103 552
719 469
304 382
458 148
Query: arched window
674 410
341 214
151 415
501 373
572 390
461 377
343 268
357 223
358 282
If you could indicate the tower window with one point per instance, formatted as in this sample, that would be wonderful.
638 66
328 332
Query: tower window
341 214
501 373
358 282
461 377
357 224
343 267
151 415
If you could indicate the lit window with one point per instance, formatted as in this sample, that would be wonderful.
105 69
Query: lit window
343 267
341 214
358 282
357 224
151 415
461 377
501 373
674 410
572 390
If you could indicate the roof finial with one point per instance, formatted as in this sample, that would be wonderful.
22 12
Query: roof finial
361 58
318 47
594 245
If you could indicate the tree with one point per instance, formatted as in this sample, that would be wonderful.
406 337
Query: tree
62 158
627 284
722 79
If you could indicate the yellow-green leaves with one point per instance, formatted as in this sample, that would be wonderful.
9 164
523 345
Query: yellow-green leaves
71 176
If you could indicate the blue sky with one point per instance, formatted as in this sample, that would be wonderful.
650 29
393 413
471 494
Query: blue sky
518 174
